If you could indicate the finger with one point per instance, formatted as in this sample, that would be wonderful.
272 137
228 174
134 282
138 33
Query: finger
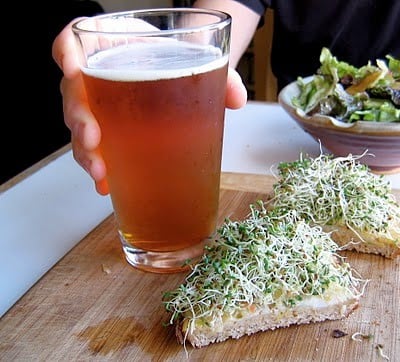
85 131
236 93
102 187
77 115
92 162
64 51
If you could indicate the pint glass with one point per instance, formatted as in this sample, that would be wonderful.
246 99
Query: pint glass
156 81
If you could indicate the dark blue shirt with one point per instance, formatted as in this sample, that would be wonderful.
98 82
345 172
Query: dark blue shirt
356 31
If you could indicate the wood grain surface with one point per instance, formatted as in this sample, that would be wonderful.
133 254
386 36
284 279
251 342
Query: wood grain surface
93 306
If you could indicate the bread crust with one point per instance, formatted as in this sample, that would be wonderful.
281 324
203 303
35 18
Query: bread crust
365 242
263 319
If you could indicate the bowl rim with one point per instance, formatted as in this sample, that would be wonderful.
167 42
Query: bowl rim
321 121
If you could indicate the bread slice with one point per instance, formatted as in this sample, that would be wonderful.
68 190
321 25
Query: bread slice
246 321
345 198
268 271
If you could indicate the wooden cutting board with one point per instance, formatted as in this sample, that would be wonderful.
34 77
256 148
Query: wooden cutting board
93 306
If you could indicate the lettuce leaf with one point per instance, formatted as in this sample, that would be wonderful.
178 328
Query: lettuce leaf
348 93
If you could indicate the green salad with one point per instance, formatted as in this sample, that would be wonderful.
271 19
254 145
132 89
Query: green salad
349 94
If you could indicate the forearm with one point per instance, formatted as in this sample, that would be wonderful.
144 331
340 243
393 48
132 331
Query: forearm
244 24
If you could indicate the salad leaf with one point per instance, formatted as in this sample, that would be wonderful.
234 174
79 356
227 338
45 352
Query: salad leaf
394 66
343 91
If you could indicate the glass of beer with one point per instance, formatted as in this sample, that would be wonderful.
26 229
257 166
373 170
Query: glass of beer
155 81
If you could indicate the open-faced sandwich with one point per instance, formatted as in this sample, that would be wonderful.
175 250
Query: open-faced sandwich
268 271
342 196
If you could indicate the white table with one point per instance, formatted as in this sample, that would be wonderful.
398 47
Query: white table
43 216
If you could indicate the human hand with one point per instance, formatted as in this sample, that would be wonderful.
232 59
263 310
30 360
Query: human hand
85 131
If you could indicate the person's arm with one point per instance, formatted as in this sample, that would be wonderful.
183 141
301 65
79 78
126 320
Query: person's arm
244 24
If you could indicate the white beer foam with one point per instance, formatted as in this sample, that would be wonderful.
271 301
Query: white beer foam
144 61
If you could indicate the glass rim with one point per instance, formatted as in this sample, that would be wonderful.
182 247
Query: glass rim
223 19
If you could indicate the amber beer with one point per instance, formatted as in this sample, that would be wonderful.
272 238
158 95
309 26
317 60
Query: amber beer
162 128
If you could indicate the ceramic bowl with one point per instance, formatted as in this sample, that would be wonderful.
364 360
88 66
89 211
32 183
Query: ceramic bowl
379 140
